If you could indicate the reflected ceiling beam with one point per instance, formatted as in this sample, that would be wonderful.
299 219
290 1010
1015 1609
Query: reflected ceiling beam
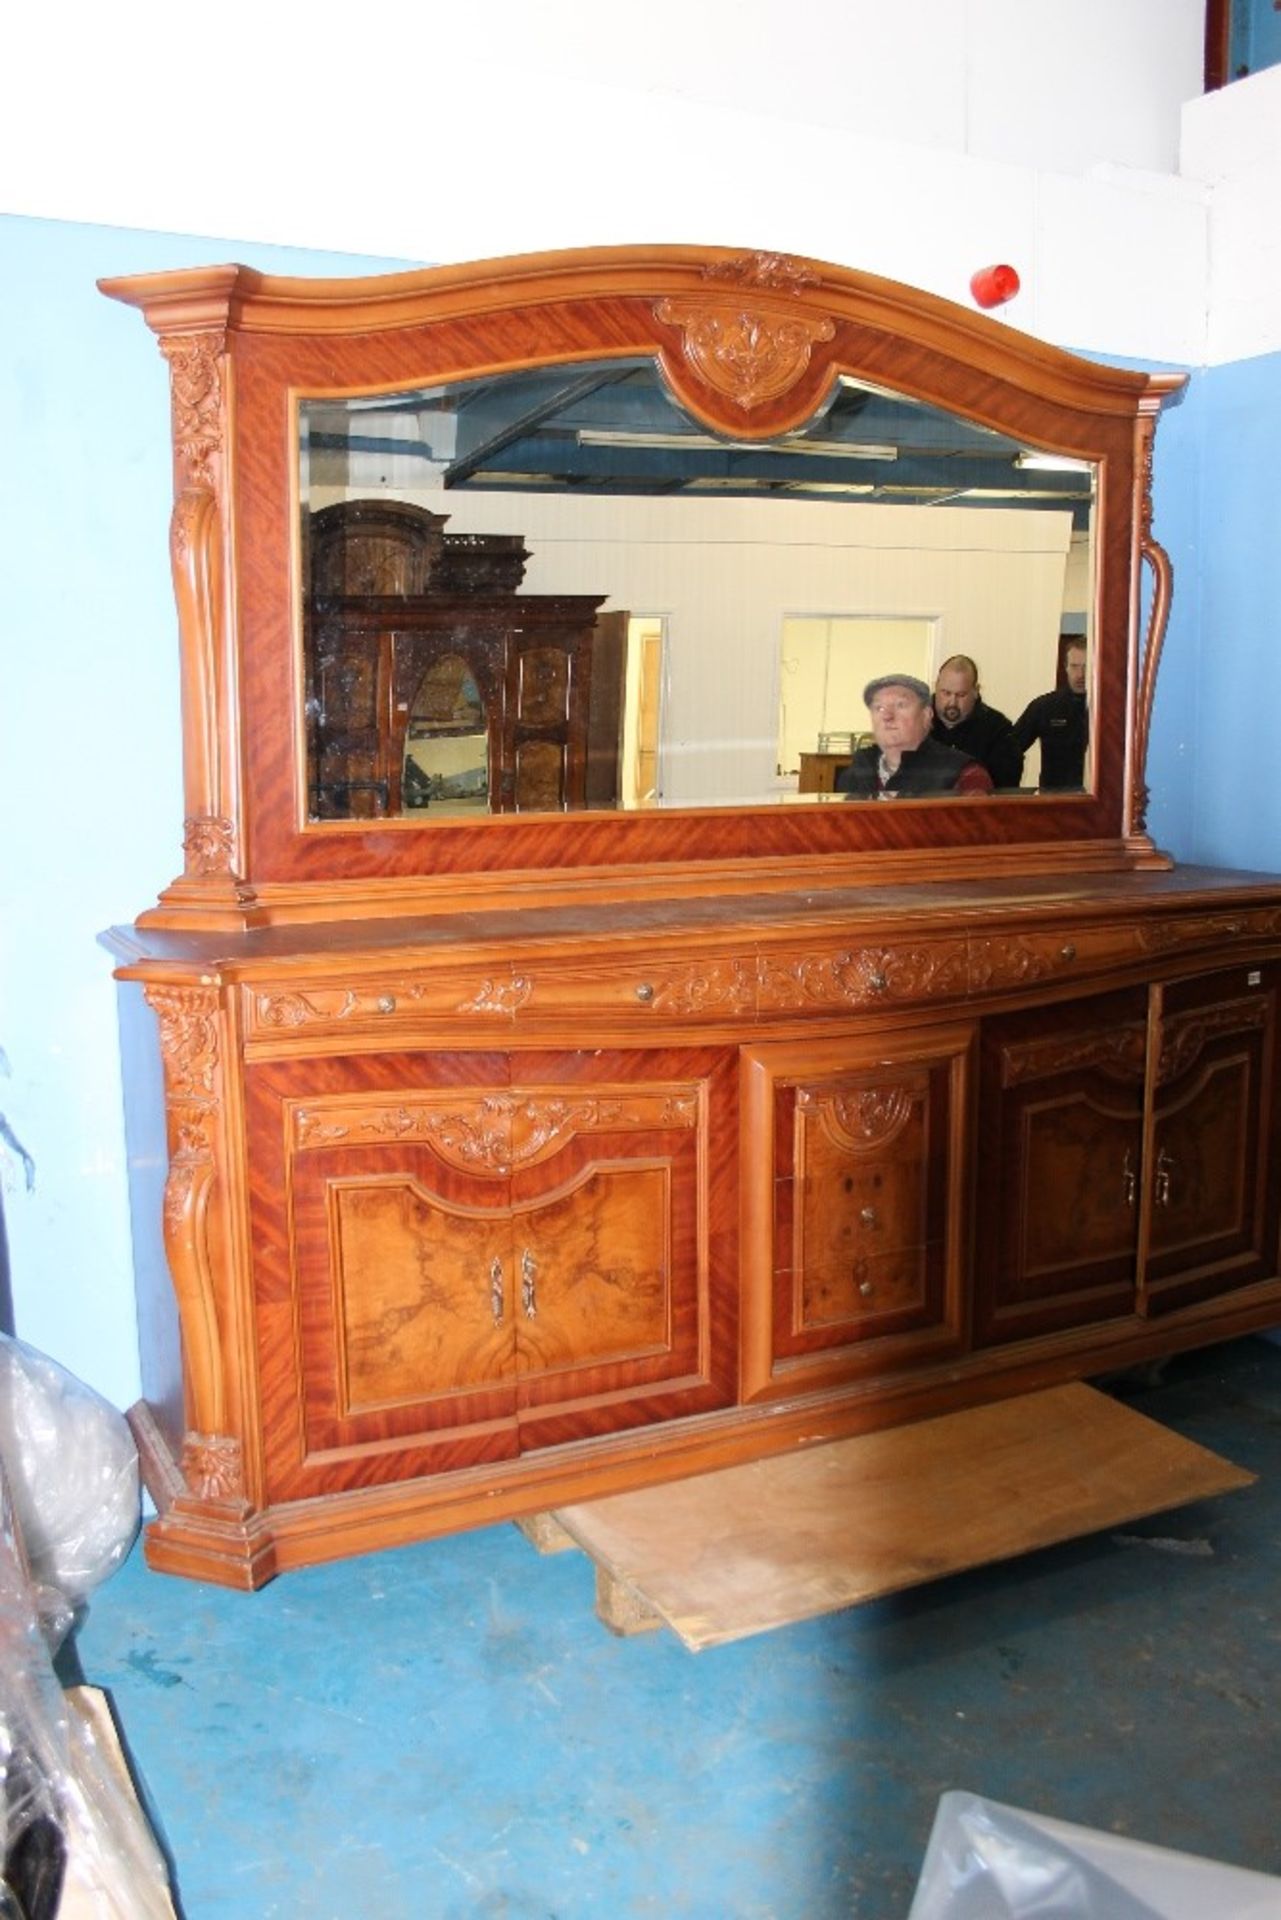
504 412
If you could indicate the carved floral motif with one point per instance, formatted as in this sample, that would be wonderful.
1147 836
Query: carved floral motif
495 1132
499 996
863 976
728 987
1008 962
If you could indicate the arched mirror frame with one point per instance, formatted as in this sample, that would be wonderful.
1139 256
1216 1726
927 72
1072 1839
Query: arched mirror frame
749 344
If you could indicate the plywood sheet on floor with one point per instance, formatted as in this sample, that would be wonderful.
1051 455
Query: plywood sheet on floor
757 1546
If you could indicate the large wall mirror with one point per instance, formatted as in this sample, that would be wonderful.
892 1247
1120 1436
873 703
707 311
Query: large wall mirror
578 563
556 590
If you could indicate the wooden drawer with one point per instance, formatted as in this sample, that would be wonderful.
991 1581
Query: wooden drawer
387 1007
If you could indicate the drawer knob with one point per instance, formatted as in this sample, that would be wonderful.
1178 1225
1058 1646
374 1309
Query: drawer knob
868 1216
645 993
1067 951
386 1003
877 982
866 1288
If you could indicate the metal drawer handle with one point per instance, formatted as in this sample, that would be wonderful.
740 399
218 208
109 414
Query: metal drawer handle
1129 1185
1164 1168
645 992
528 1284
496 1290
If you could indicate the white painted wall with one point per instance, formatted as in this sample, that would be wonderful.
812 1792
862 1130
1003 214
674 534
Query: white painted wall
918 143
725 575
1232 144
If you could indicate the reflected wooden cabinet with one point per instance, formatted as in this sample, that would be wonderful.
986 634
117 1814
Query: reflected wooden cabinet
1127 1153
435 688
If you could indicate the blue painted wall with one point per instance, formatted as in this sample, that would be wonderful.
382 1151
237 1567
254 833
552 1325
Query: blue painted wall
89 748
1237 587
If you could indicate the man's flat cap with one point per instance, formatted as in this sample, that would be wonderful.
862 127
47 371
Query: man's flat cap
908 680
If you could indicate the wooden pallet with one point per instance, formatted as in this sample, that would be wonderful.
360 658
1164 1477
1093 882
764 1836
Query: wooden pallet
728 1554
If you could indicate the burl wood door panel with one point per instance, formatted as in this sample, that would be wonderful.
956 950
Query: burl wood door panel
856 1204
625 1245
1059 1149
457 1264
1213 1172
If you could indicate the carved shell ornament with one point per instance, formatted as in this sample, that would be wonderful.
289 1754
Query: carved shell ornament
750 350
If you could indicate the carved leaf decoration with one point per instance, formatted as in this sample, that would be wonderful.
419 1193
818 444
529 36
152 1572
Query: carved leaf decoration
1120 1052
212 1466
776 271
196 389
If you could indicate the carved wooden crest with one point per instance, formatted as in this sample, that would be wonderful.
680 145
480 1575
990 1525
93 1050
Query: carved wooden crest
750 349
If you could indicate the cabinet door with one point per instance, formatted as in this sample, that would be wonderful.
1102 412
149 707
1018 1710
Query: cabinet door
453 1263
623 1245
545 720
1213 1173
1059 1144
854 1205
384 1297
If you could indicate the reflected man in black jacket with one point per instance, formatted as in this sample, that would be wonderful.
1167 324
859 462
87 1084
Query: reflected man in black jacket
962 719
1061 722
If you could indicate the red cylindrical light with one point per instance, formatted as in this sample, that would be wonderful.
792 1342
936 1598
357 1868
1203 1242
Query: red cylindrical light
993 286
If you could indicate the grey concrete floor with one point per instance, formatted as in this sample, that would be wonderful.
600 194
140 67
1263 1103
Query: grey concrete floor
445 1731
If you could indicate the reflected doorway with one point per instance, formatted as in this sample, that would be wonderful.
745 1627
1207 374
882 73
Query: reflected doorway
643 710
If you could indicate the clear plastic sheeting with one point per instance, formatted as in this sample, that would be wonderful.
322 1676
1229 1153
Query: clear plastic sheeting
73 1838
986 1861
72 1468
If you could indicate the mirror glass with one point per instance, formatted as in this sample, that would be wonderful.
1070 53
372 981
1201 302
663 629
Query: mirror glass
555 590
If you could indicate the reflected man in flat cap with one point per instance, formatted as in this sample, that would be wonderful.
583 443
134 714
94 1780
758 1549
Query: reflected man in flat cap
905 763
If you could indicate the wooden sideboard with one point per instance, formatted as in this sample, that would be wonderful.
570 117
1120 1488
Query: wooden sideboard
472 1219
523 1157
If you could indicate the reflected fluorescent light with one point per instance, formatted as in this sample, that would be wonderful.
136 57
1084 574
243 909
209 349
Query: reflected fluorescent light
679 442
1050 463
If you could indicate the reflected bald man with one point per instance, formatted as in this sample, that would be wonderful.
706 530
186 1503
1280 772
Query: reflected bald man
905 763
963 719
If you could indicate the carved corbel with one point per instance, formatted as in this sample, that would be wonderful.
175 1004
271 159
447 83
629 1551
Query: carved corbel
189 1045
197 556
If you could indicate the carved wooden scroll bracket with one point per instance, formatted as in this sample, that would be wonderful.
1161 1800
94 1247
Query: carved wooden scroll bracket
189 1046
1154 555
